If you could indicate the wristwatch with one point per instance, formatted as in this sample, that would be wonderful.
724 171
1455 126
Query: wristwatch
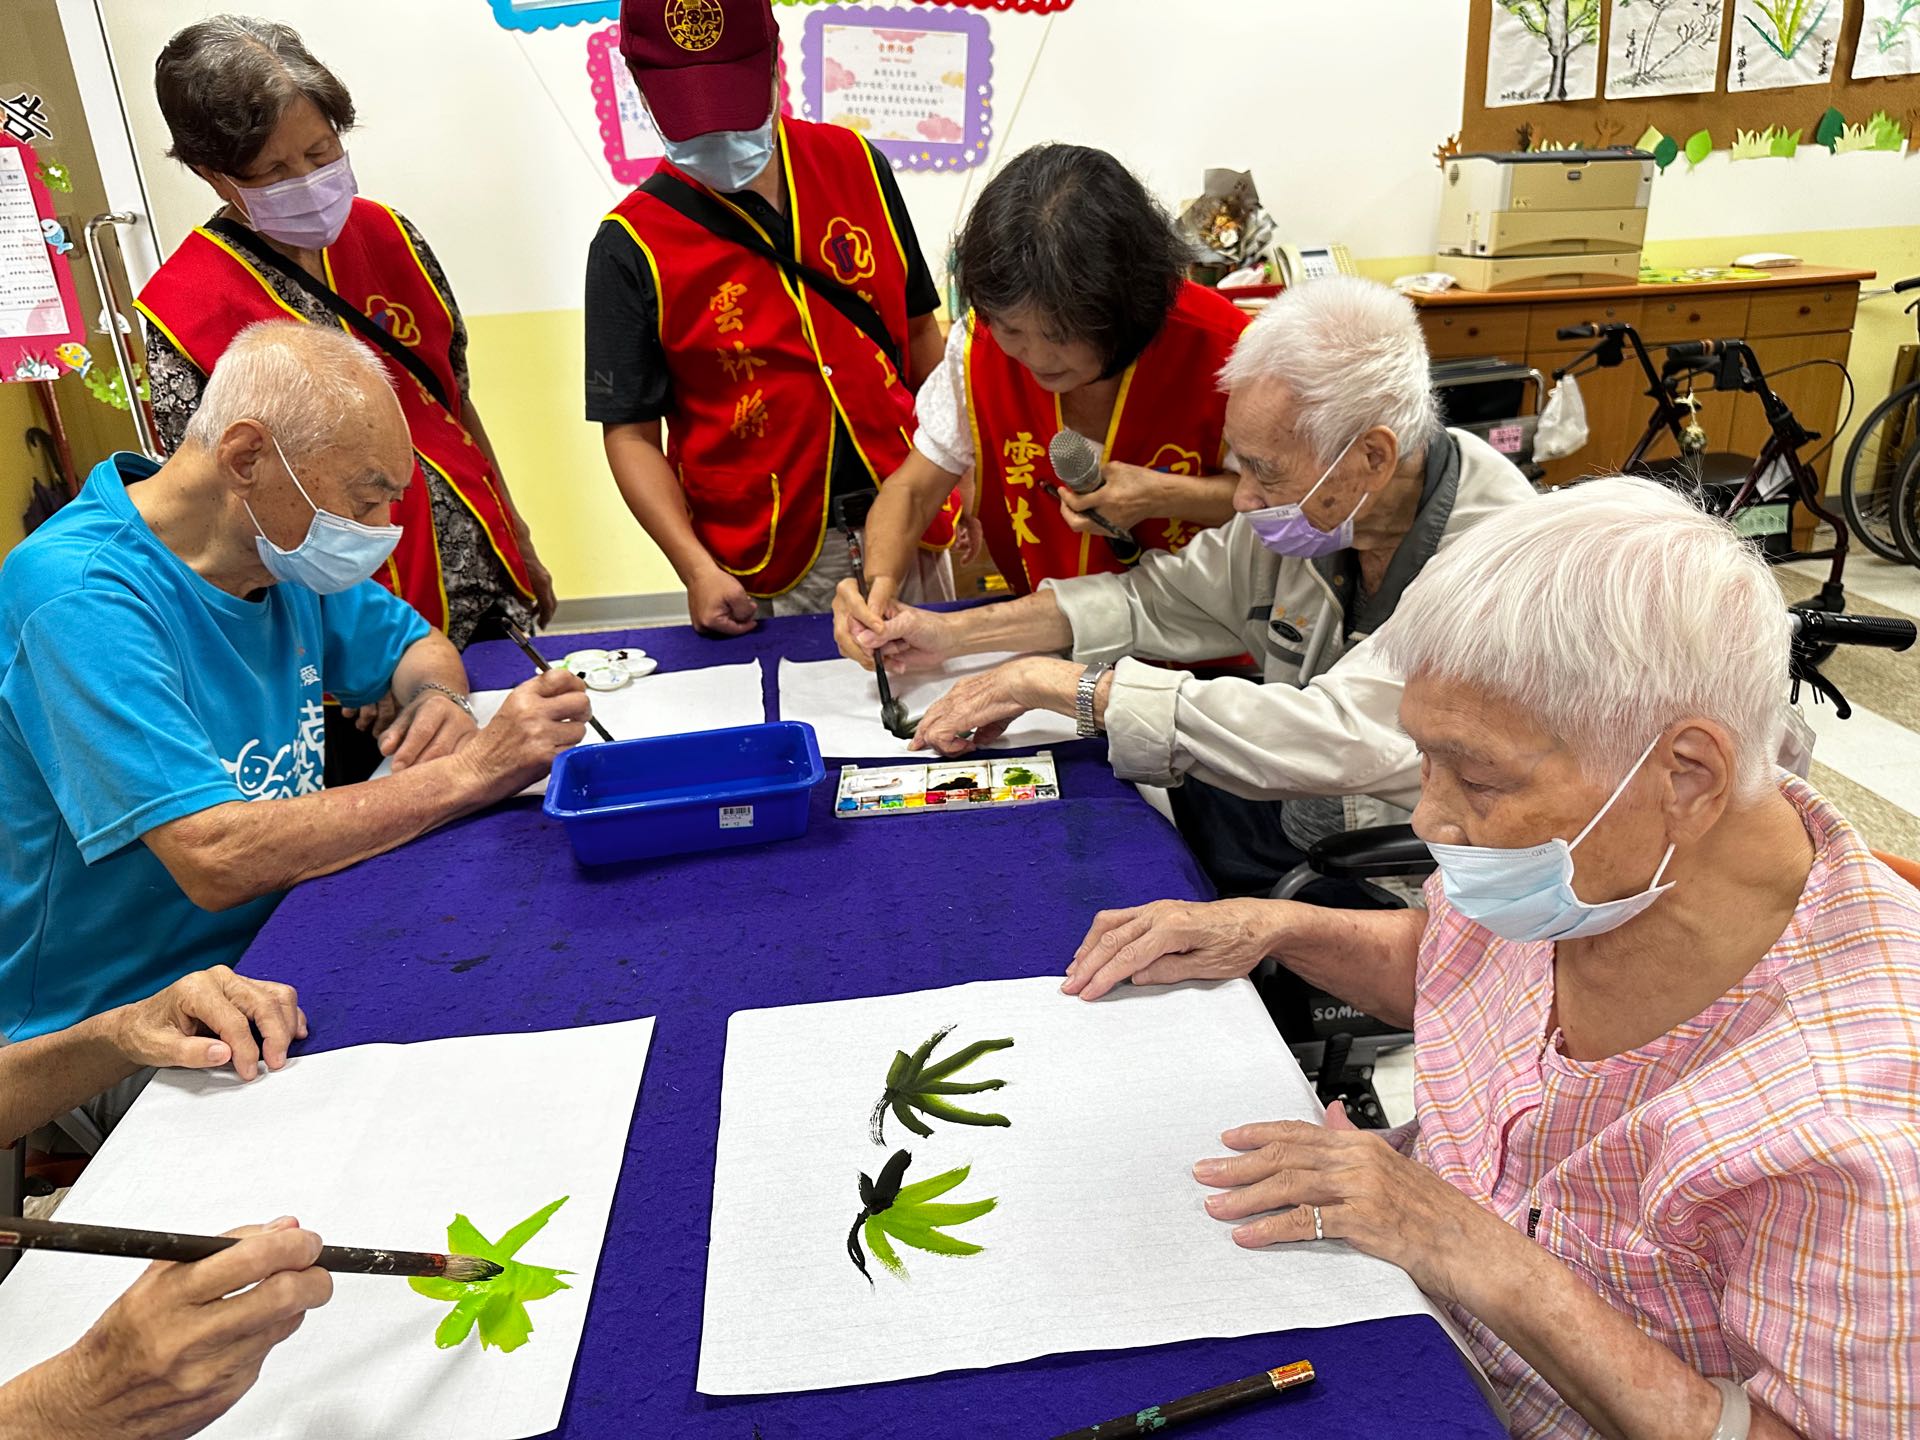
1083 699
454 695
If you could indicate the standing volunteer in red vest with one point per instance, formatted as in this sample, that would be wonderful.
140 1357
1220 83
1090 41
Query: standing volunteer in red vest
1082 319
764 295
253 114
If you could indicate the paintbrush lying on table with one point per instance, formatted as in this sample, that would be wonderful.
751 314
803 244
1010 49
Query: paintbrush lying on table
542 664
18 1234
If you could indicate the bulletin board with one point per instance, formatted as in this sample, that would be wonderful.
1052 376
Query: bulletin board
1603 122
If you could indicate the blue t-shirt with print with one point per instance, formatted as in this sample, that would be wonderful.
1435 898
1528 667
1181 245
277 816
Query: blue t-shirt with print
133 692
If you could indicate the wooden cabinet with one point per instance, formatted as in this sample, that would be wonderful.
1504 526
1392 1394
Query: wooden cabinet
1792 318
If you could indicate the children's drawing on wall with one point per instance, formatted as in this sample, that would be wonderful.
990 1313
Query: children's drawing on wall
498 1307
1543 50
1889 39
1780 43
889 1211
1663 47
913 1084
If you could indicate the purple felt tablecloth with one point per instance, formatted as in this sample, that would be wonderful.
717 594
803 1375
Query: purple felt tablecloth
490 926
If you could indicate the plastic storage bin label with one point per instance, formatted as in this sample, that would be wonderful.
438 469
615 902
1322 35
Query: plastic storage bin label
736 817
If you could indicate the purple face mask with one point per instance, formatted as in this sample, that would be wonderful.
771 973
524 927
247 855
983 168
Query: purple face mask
307 212
1286 530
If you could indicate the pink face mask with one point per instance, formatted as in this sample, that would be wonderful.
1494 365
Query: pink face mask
307 212
1286 530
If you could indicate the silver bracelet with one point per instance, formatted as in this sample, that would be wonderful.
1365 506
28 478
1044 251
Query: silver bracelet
1736 1411
454 695
1084 725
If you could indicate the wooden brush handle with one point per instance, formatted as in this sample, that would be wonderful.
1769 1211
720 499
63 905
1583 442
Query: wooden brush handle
22 1234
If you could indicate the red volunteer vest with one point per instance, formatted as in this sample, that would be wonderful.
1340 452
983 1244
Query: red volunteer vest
760 363
208 292
1168 416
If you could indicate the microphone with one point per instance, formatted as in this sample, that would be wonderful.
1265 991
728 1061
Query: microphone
1076 460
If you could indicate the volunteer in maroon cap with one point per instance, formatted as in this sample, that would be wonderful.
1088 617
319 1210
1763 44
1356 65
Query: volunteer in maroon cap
764 296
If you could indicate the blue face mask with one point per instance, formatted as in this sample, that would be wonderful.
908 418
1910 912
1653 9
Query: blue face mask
337 554
725 160
1528 895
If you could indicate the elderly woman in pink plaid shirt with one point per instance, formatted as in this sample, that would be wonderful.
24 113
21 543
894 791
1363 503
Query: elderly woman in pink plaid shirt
1665 1169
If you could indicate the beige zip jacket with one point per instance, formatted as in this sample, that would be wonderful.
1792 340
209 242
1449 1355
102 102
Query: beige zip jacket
1326 722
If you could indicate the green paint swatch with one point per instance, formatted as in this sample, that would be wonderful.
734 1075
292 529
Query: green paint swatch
498 1307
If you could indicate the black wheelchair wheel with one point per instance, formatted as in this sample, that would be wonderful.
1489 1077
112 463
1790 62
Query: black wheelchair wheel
1869 481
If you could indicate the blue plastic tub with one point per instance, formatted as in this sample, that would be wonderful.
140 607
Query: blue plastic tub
680 794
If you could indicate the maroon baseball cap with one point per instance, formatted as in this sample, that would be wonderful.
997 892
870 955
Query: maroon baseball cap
703 65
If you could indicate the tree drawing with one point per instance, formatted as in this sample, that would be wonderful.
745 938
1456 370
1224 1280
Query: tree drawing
890 1212
1890 30
1563 27
1787 24
1652 45
914 1085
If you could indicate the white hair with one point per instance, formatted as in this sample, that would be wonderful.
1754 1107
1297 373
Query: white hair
1351 354
1608 611
299 381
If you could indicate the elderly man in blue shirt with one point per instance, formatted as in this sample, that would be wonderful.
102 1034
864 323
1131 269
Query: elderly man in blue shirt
165 641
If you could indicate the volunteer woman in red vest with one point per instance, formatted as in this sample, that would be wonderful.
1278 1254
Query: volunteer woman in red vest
1082 319
762 294
253 114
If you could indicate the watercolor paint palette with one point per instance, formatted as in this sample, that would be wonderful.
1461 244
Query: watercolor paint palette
946 786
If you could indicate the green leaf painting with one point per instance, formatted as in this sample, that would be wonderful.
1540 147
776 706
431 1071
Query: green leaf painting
1699 146
914 1084
1786 143
497 1307
1666 152
1788 23
892 1212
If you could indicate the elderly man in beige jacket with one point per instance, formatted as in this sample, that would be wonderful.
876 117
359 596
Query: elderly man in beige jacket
1348 485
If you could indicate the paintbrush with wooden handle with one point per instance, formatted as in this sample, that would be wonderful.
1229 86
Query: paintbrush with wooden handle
21 1234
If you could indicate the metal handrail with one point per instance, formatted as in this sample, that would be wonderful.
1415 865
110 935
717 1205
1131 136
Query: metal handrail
122 352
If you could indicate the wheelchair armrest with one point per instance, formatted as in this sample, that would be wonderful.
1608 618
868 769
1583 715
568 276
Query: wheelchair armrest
1372 854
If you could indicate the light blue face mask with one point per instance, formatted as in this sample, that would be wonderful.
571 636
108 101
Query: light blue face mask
1528 895
337 554
725 160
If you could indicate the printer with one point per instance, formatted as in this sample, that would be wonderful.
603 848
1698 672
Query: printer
1545 219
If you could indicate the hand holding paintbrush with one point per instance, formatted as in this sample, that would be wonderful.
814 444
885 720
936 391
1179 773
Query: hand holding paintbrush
852 513
543 665
21 1234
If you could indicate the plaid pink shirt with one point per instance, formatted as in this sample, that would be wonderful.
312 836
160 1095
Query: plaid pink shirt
1746 1188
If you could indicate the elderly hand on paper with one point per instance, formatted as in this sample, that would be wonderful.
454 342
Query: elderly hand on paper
210 1018
903 637
1126 495
1367 1193
175 1352
1173 940
978 709
430 725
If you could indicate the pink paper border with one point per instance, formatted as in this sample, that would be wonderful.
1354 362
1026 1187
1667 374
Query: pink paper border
14 352
603 53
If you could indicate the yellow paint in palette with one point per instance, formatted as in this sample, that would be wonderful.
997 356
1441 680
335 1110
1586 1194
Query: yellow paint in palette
946 786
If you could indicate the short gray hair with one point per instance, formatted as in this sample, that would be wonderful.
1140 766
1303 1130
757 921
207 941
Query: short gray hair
1351 354
1608 611
300 381
226 82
